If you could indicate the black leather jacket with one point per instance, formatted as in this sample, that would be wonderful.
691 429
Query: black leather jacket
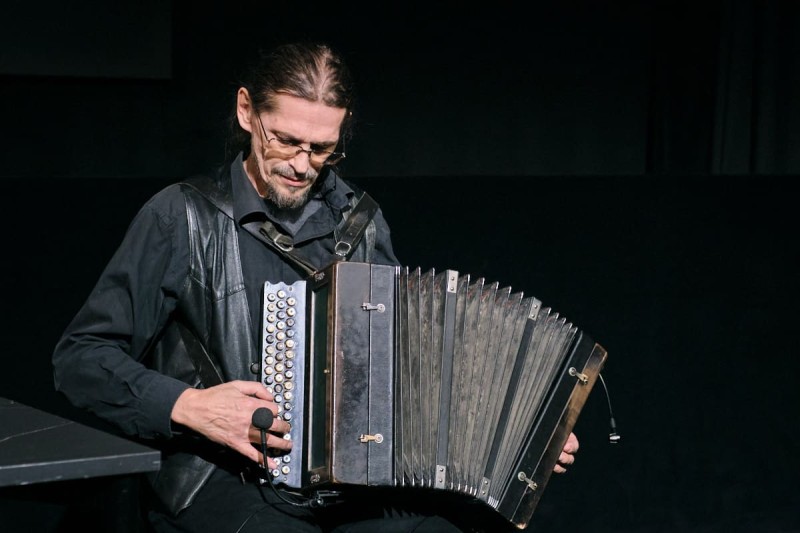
207 338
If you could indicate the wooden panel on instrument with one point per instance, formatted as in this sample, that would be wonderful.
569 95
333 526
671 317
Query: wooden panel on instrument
360 410
551 432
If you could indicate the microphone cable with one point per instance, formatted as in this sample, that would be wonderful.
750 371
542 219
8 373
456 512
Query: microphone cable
613 437
263 419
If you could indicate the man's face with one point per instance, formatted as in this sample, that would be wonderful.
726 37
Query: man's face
282 165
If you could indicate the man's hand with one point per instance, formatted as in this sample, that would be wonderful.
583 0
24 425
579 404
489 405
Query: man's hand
223 414
567 456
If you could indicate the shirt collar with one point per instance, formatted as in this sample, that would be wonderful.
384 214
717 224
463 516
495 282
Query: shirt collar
249 206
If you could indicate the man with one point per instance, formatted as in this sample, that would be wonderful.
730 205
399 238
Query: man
166 347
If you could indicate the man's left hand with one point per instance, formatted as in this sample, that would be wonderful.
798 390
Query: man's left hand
567 456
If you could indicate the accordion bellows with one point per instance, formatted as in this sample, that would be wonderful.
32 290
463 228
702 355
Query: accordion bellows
392 376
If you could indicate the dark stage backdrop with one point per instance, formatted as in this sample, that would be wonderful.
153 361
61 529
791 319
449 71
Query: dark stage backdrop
576 88
691 286
625 162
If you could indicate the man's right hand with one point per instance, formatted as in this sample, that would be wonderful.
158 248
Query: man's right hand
223 414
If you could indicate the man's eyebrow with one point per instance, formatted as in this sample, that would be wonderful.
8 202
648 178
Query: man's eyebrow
294 140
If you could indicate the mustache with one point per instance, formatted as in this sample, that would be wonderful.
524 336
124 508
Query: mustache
286 171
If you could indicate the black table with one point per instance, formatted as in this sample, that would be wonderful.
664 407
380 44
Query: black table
37 447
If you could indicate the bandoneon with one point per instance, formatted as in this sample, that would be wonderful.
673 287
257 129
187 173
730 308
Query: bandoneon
391 376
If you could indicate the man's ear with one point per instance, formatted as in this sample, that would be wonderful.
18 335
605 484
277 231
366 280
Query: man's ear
244 109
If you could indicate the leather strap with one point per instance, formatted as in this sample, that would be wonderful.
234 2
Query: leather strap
284 244
355 225
349 232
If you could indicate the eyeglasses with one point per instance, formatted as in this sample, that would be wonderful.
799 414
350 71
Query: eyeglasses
289 149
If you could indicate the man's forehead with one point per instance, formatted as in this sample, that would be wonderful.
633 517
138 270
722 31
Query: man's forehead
306 119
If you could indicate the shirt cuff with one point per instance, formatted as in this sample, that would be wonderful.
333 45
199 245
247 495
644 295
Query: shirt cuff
159 401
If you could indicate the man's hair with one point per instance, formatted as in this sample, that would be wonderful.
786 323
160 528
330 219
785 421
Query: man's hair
309 70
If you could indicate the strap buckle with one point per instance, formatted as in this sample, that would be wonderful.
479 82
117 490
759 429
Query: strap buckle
343 248
281 241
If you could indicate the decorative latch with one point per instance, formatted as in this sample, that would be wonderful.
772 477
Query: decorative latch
582 377
531 483
377 438
366 306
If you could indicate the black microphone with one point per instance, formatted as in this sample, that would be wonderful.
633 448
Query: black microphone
263 419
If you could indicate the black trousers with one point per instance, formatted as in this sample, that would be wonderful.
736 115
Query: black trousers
226 504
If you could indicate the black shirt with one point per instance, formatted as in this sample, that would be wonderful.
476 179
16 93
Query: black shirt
97 362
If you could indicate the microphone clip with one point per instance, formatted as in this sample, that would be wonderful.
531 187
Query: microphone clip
613 437
324 498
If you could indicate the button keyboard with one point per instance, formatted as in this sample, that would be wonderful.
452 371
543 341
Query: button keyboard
283 341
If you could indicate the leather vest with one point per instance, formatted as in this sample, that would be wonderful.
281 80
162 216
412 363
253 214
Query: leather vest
213 321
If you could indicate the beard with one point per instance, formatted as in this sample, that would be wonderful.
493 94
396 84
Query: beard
294 200
286 201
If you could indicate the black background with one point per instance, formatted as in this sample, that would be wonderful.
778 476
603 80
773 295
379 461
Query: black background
628 163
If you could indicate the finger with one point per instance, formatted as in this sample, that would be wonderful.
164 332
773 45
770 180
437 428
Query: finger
558 469
279 443
566 459
280 426
274 439
271 463
252 388
273 443
248 451
572 444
